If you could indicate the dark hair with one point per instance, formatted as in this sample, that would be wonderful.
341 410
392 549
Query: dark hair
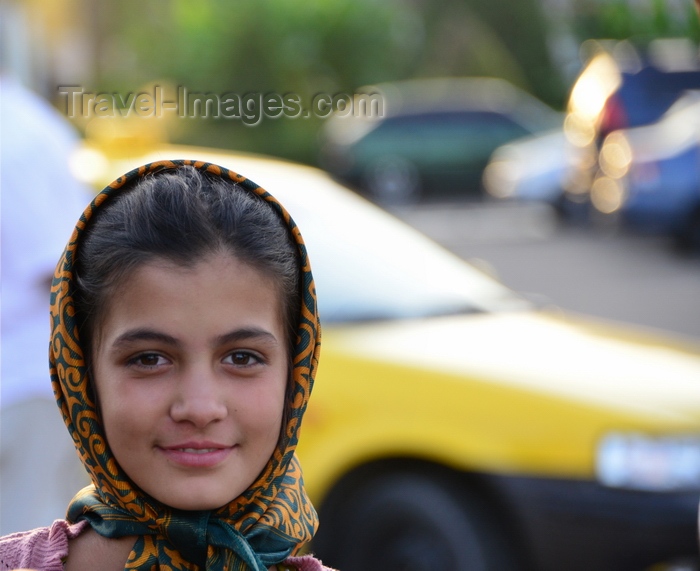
182 216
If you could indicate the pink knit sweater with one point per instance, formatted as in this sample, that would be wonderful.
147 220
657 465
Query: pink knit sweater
45 548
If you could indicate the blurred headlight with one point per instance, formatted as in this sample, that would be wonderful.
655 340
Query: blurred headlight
598 80
500 177
638 462
579 129
615 155
608 194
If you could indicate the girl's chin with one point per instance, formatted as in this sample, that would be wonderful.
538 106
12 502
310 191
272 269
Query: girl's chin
191 496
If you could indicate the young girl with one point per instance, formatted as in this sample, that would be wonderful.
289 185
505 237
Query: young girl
185 340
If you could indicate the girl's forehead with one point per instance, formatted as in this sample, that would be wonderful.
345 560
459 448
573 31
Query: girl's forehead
218 282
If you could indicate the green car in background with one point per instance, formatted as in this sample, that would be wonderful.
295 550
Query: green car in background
430 138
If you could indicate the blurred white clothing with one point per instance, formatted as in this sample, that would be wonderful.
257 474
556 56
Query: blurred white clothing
40 202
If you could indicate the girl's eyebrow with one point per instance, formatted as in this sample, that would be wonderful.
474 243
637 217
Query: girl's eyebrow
245 334
140 334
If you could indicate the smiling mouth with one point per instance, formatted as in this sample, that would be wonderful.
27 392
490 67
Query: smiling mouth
191 457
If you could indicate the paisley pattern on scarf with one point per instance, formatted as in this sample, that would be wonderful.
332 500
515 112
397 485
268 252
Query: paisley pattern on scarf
270 521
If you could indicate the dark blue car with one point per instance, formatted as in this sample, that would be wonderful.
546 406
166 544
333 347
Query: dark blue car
650 176
619 88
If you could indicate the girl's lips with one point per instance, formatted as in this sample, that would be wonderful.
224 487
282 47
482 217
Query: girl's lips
199 456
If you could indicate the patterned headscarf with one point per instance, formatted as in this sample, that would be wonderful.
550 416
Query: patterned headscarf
270 521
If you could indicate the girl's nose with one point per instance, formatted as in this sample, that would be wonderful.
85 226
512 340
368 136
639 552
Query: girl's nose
198 398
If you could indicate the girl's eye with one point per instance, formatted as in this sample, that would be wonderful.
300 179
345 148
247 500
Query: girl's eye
242 359
148 360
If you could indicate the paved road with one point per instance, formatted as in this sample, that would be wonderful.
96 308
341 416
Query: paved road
628 278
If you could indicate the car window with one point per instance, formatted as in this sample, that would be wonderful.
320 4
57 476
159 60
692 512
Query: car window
369 265
648 94
463 124
441 138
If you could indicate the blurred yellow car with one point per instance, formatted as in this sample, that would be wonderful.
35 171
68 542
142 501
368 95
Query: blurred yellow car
455 426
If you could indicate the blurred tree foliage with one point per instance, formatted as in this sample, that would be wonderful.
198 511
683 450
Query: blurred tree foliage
640 21
336 46
314 46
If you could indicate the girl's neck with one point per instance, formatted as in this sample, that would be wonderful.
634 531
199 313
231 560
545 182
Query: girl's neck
90 551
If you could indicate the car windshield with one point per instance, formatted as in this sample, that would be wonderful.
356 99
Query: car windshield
369 265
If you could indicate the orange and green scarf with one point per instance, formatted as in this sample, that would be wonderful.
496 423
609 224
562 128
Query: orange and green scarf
270 521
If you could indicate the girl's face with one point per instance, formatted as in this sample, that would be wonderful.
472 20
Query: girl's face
190 367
